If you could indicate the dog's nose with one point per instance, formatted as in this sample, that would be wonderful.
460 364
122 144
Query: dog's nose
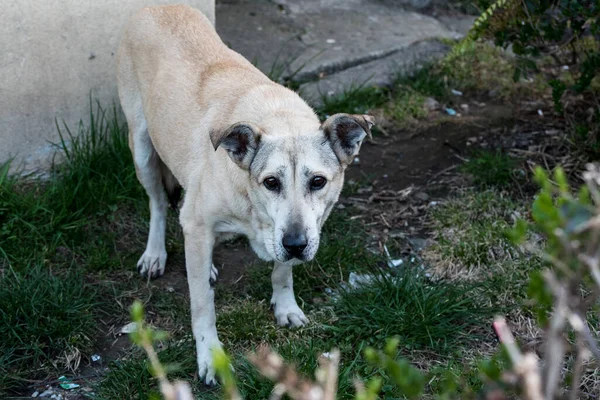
295 243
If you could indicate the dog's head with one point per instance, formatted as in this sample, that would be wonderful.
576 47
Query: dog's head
295 179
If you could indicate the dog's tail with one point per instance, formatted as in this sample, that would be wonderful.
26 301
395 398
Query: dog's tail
172 186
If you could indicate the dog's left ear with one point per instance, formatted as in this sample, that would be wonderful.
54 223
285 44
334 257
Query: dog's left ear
346 133
240 140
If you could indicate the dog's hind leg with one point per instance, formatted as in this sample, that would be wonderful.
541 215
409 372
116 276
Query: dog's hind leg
148 170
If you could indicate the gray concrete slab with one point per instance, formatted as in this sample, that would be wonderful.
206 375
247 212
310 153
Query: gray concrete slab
329 45
379 72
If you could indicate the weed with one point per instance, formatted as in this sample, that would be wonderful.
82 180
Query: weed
427 81
358 99
407 105
490 169
43 317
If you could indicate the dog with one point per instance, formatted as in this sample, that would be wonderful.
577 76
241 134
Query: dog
251 157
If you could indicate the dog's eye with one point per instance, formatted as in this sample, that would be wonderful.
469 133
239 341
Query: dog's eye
271 183
318 182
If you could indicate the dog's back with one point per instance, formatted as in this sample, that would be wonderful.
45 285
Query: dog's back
175 75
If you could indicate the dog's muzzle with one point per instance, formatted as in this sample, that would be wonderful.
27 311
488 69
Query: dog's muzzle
294 242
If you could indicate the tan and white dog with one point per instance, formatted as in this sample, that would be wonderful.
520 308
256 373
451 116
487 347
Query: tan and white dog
252 156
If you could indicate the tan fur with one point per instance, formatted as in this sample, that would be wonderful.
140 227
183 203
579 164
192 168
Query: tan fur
183 91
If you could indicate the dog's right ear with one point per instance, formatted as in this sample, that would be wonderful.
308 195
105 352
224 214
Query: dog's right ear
240 140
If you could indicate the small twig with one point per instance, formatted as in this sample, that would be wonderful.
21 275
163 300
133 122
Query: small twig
579 325
577 370
329 365
442 172
525 366
555 348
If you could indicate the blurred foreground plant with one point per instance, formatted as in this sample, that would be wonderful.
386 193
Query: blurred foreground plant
144 336
567 292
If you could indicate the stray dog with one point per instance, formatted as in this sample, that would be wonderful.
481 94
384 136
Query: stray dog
251 155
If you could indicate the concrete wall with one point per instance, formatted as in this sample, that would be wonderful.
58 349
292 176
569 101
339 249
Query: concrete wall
53 53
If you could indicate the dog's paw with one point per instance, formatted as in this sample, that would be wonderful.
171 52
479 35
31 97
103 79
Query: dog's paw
206 369
152 264
214 274
289 314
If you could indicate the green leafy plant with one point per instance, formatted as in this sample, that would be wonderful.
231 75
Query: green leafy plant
565 294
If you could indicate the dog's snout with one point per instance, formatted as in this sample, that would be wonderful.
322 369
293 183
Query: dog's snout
294 243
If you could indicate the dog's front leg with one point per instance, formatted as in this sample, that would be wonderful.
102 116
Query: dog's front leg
283 301
199 242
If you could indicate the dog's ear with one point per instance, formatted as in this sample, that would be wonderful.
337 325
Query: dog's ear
240 140
346 133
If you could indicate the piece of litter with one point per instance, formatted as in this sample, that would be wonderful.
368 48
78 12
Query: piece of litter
431 104
391 263
95 357
357 280
395 263
385 176
456 92
450 111
330 41
35 394
565 67
65 383
129 328
47 393
433 203
356 160
540 113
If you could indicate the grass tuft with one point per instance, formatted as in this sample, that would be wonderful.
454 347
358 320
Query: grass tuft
43 317
490 169
426 315
95 175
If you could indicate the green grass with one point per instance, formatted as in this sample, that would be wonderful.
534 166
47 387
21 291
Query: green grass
471 243
131 378
358 99
43 318
437 316
93 179
52 232
491 169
